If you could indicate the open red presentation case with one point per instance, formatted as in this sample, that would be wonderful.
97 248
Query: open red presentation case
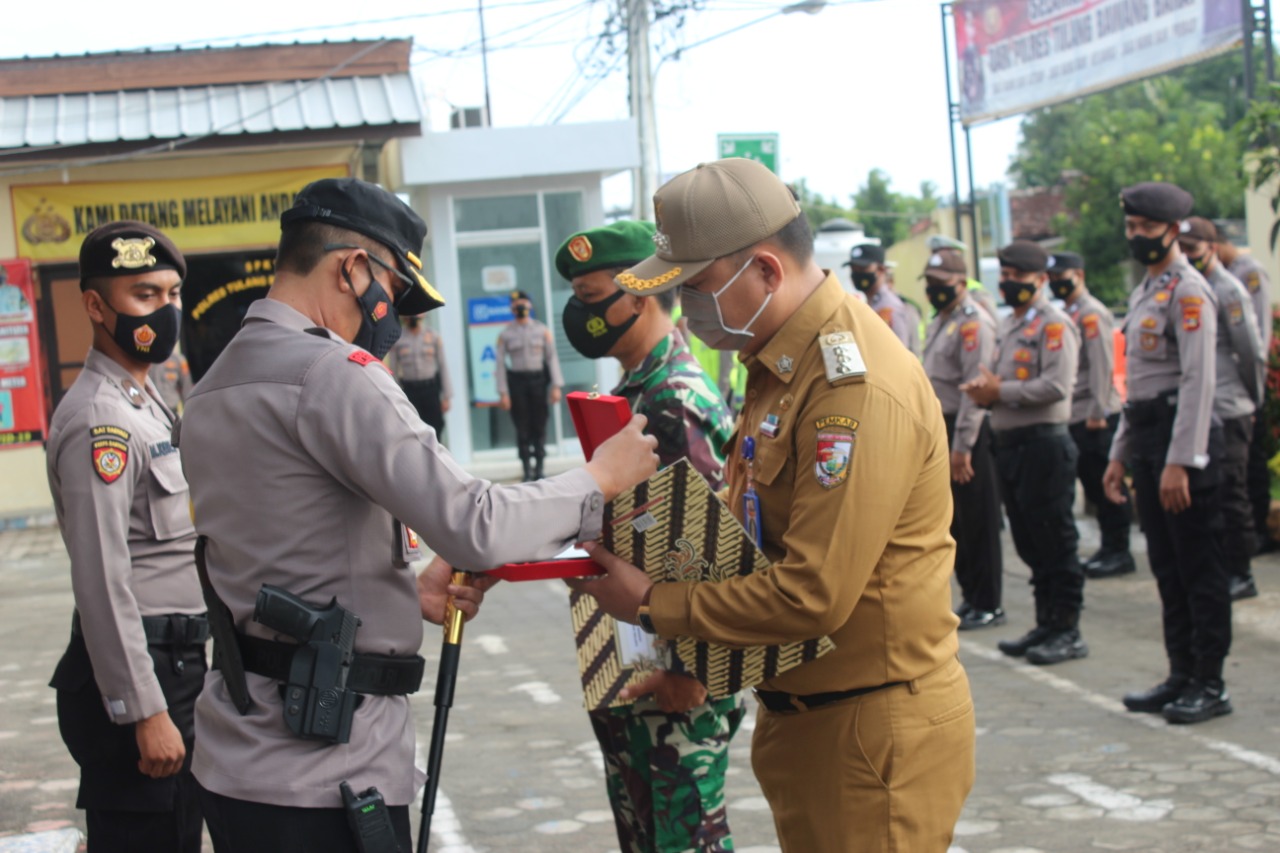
596 417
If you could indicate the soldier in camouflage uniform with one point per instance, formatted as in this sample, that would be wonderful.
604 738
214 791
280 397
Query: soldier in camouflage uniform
666 754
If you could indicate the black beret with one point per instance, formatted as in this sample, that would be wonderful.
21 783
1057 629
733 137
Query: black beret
1158 201
520 294
865 255
370 210
127 248
1025 256
1198 228
1063 261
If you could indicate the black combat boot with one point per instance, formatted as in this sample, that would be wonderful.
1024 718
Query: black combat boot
528 470
1063 642
1017 648
1202 699
1109 564
537 468
1241 582
1153 700
974 618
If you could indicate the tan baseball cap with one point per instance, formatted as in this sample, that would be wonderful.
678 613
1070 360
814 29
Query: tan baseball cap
708 212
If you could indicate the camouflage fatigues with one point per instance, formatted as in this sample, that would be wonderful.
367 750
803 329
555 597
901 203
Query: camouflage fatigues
665 772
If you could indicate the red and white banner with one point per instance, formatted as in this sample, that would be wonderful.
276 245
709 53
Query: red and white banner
1016 55
22 403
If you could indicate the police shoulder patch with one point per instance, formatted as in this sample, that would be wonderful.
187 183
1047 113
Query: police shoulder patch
835 440
110 451
364 359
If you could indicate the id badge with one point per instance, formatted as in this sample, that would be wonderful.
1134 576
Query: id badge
751 519
406 546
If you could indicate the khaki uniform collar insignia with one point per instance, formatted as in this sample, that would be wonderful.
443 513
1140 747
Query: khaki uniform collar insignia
785 364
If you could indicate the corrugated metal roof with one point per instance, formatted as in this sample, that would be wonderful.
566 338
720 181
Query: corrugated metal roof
158 114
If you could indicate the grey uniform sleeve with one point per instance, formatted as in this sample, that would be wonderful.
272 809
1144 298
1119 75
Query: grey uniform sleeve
1059 363
446 387
1120 441
970 414
392 361
1246 343
1259 287
902 326
95 522
553 360
357 423
1195 320
500 371
1097 341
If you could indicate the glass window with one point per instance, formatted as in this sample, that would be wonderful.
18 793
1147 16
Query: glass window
496 214
562 213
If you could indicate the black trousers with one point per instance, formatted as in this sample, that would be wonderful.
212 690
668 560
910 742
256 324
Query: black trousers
425 396
1183 549
241 826
975 525
1259 477
125 811
1094 449
528 391
1037 482
1237 540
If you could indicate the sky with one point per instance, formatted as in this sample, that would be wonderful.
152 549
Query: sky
857 86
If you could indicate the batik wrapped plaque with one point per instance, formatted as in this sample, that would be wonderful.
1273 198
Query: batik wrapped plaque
676 529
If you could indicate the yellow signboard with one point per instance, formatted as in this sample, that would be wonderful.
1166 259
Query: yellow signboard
198 214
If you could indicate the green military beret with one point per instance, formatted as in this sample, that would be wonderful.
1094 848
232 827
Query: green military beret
622 244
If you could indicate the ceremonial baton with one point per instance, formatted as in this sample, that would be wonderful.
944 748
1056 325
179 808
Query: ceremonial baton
446 678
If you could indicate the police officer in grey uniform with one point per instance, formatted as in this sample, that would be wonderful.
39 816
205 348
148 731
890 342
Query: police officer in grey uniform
1036 359
869 275
1095 411
959 339
309 471
1174 450
128 682
172 378
417 362
1239 379
1255 279
533 379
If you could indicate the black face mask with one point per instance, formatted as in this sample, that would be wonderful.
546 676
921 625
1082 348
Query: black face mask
587 329
1149 250
1201 263
150 337
1062 287
864 281
940 295
1016 293
521 311
379 320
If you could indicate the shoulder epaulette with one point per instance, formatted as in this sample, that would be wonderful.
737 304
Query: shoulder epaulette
842 357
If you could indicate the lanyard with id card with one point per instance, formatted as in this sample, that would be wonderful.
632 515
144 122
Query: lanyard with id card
751 518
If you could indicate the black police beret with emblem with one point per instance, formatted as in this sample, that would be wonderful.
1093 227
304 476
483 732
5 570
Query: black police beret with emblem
127 248
1157 201
865 255
370 210
1198 228
615 246
1063 261
1024 256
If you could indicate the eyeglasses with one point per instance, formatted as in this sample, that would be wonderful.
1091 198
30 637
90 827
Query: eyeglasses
409 283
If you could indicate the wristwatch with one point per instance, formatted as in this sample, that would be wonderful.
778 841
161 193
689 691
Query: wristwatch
644 620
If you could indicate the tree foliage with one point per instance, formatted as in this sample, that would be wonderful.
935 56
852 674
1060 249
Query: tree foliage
882 212
1259 133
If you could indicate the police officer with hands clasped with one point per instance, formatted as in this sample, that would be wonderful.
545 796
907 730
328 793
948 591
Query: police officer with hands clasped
1030 398
1174 451
310 471
128 682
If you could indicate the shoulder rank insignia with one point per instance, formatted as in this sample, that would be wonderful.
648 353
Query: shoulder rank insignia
110 447
841 356
364 359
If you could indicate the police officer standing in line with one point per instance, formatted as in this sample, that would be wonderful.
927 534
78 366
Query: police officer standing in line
534 378
128 682
870 276
309 472
172 378
1239 382
1167 437
1255 280
665 753
961 337
1030 398
851 470
953 251
1095 411
417 362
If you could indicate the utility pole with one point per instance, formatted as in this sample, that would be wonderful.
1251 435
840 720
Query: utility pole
645 183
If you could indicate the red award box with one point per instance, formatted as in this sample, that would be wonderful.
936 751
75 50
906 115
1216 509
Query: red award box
596 417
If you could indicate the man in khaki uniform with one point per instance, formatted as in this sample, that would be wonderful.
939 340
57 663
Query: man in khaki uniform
960 339
533 381
1030 398
417 362
128 681
309 471
1095 411
1237 392
1174 450
857 535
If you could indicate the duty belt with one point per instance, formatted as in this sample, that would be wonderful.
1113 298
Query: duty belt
175 629
775 701
1021 435
378 675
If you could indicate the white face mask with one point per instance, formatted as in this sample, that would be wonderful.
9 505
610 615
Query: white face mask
717 335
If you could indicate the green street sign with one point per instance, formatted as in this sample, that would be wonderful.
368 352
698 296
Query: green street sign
761 147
